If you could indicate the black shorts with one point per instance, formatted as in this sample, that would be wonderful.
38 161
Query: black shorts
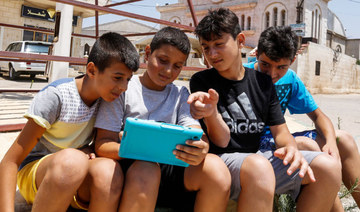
172 192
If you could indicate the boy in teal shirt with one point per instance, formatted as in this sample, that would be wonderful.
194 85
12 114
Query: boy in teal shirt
275 53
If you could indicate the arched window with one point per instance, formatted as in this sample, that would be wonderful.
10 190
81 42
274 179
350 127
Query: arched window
319 22
242 22
283 17
267 20
275 17
249 23
316 23
175 19
275 14
312 24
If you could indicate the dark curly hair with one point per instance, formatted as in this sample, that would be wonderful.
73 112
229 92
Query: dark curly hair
217 22
112 47
278 42
171 36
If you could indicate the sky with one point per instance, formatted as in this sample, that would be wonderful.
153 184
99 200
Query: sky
348 11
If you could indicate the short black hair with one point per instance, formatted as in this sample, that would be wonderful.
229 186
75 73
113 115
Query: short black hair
217 22
112 47
278 42
171 36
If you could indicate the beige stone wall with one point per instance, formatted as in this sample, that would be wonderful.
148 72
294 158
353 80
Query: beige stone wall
10 14
337 74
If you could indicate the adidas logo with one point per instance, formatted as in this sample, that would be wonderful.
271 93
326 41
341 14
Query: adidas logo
245 127
243 117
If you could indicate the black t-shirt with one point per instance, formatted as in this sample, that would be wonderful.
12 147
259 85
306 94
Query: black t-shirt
246 106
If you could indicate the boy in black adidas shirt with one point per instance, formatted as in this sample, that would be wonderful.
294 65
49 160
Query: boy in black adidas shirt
234 104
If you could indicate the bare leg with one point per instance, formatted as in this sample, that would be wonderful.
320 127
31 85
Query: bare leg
212 180
320 195
305 143
337 207
102 186
141 187
257 181
350 160
57 179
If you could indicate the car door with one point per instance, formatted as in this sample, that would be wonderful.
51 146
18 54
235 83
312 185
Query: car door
4 65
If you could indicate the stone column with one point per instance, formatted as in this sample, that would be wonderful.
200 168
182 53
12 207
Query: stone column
62 46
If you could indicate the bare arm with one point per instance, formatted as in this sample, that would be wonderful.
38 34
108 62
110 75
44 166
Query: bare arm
106 144
326 130
204 106
282 136
22 146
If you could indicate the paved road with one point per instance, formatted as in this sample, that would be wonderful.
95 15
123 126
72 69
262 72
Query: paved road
23 82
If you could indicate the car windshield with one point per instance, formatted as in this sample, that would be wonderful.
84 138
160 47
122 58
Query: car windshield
36 48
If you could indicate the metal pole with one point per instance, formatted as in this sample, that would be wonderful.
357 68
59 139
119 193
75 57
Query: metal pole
193 15
120 3
123 13
96 21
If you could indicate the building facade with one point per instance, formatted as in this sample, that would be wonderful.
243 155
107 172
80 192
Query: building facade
322 65
257 15
39 15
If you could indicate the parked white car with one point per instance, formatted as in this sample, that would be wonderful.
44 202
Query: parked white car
18 68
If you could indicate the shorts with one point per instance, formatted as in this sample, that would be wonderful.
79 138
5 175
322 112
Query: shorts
267 141
172 192
285 184
27 184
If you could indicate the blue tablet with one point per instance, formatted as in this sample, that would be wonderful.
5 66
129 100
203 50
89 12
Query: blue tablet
155 141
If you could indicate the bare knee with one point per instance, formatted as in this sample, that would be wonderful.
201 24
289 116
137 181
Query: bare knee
257 172
305 143
214 173
327 169
143 175
67 168
346 143
106 175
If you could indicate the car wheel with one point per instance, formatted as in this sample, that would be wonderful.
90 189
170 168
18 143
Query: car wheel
12 73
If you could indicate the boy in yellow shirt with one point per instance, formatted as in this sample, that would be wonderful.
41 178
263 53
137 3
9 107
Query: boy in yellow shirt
54 164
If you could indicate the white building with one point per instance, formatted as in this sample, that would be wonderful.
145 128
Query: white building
322 65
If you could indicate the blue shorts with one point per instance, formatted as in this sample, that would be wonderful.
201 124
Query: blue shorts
267 141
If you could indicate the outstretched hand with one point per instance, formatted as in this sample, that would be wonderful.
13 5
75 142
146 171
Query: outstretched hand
293 156
203 104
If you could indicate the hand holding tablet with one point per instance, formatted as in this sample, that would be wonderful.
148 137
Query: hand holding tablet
155 141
